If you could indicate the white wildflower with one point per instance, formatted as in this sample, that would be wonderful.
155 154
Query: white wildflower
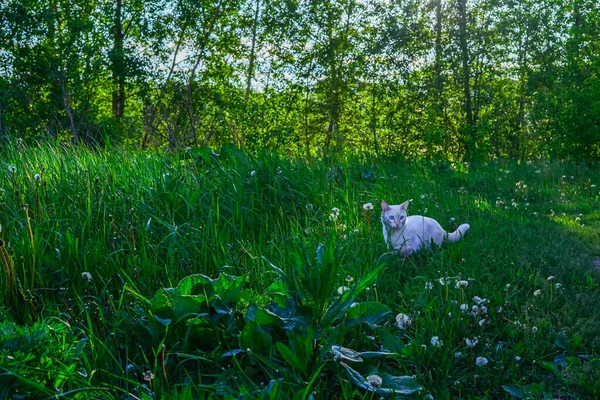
252 173
462 284
464 307
517 358
86 276
403 321
37 177
481 361
534 329
472 342
436 342
483 309
558 285
367 207
550 278
342 289
458 354
452 219
482 322
478 300
428 285
374 380
537 293
12 169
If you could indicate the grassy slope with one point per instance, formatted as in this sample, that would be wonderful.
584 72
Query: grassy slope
144 221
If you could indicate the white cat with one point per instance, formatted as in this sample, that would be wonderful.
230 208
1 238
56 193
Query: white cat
409 234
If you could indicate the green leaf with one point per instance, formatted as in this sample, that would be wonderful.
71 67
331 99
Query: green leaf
255 338
398 385
345 354
514 391
267 318
357 378
371 313
290 357
390 342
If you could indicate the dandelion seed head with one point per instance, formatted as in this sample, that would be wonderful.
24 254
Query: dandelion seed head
374 380
403 321
481 361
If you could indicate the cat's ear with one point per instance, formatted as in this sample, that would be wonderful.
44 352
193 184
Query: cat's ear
404 205
385 206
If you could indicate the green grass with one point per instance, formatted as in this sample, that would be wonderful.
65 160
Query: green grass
138 222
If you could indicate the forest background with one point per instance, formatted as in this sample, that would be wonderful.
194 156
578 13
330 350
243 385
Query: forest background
456 80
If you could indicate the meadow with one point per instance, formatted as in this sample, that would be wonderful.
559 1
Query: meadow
216 274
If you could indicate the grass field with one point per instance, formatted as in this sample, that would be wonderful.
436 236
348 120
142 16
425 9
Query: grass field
149 275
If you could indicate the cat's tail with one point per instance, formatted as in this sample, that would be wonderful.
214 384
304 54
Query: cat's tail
457 234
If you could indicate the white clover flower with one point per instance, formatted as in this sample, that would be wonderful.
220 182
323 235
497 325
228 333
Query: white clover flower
481 361
462 284
472 342
436 342
374 380
464 307
534 329
558 285
37 177
478 300
403 321
368 207
483 309
550 278
428 285
537 293
86 276
12 169
252 173
342 289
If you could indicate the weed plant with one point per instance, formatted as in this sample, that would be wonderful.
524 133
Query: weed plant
201 274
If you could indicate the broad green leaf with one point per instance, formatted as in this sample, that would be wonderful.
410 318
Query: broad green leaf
290 357
514 391
255 338
398 384
344 354
390 342
371 313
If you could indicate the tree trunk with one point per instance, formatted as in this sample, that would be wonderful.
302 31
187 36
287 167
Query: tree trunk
466 72
118 64
438 54
252 51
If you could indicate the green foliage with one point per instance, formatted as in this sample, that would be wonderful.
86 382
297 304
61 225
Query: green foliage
431 80
40 360
220 273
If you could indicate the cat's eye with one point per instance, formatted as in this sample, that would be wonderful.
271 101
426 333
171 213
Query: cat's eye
402 217
391 217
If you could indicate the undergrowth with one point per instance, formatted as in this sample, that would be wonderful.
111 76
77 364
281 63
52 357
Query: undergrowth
202 273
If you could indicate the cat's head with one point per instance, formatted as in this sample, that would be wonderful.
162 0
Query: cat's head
393 217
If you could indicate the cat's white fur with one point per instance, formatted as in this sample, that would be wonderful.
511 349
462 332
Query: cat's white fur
410 234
